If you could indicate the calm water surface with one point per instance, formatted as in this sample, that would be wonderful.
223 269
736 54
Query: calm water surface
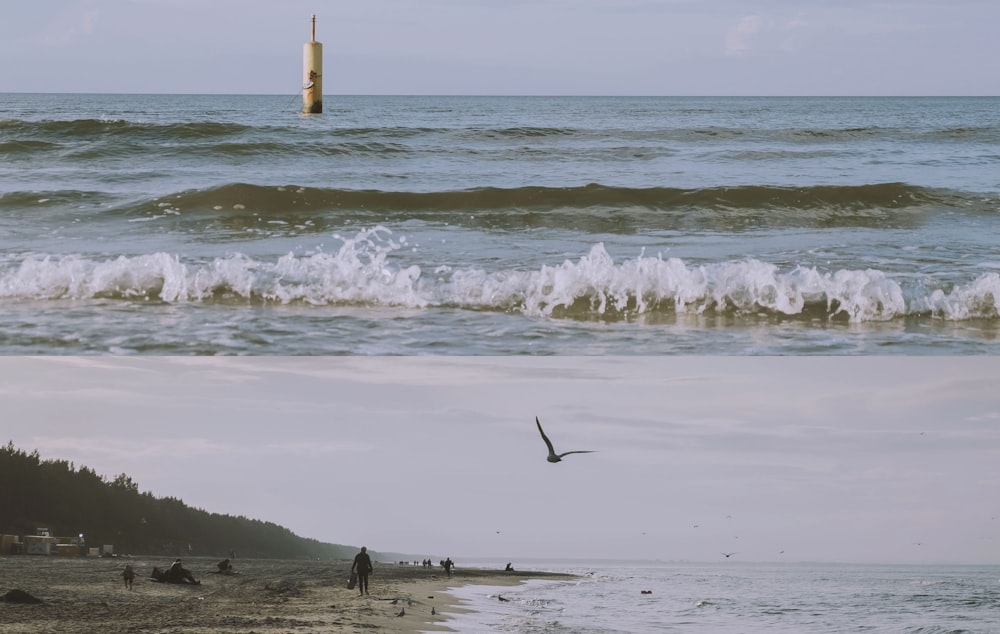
744 598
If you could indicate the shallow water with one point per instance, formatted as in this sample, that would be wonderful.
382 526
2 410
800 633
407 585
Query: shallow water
743 598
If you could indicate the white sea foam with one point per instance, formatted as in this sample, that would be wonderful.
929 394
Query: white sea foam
363 272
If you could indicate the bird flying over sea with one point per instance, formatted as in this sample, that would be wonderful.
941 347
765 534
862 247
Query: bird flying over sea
553 456
728 555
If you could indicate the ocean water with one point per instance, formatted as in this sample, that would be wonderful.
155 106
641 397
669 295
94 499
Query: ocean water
178 224
742 598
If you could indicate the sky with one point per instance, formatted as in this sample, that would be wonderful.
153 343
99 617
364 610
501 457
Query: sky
833 459
503 47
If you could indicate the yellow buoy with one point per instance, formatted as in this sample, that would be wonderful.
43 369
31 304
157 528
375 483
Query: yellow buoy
312 74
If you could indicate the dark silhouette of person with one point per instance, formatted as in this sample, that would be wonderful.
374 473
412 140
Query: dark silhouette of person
448 564
363 566
177 573
129 576
225 567
509 568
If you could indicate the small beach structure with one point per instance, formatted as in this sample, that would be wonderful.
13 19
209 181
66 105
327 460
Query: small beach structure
312 74
43 543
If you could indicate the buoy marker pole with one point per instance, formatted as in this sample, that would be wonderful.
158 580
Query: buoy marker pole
312 74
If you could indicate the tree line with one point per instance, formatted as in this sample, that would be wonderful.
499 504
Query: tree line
67 500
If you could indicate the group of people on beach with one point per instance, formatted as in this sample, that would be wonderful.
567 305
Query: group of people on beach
175 573
361 569
447 564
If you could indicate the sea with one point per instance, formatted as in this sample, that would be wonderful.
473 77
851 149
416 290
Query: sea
741 598
451 225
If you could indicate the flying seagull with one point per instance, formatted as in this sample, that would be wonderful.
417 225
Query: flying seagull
553 456
728 555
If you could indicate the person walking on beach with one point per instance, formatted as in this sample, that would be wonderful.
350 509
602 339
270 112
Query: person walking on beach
448 564
129 576
363 566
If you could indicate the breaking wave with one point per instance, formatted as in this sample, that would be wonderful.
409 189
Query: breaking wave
362 273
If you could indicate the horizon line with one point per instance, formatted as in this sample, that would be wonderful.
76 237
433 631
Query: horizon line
528 95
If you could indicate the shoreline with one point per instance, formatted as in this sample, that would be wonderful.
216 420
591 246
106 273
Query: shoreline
82 595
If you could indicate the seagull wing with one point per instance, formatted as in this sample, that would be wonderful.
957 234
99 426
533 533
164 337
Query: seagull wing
569 452
548 443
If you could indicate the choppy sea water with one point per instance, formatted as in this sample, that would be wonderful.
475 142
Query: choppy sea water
742 598
176 224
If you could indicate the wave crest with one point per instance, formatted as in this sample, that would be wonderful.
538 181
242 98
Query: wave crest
361 272
885 195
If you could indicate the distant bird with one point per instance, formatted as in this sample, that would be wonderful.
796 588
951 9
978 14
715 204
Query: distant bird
500 596
433 611
553 456
728 555
402 612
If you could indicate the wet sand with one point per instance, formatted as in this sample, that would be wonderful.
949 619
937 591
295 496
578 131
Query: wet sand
86 595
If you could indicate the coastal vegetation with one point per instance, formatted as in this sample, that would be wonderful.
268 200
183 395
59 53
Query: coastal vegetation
72 501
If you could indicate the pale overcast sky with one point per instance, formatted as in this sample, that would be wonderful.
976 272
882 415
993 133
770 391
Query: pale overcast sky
892 460
537 47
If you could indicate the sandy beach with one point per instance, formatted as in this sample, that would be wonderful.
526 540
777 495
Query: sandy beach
85 595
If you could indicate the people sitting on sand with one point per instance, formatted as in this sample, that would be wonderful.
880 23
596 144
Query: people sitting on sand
176 573
509 568
225 567
129 576
179 574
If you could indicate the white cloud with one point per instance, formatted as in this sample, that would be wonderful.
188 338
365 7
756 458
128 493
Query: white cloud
793 34
70 27
755 34
740 38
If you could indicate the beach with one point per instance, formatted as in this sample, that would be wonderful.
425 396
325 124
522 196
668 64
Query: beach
83 595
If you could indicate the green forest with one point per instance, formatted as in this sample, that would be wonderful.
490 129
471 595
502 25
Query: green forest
69 501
